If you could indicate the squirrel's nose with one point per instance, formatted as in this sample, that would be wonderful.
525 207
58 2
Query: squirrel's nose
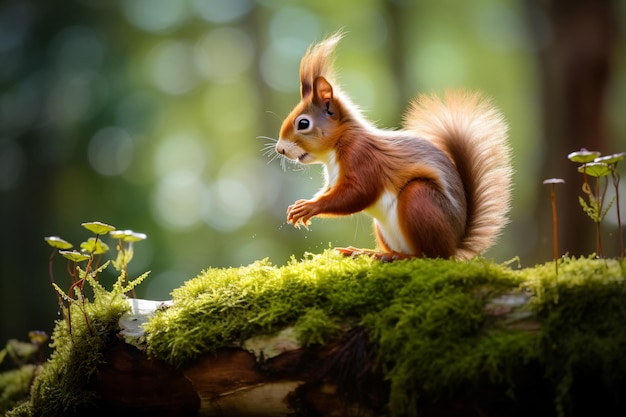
280 150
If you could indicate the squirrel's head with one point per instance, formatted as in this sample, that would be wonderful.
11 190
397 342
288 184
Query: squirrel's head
310 131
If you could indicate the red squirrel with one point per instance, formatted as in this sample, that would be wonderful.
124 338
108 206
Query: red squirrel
439 188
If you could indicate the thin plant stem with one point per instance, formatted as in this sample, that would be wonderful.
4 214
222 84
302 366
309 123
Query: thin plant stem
616 177
555 221
50 272
555 231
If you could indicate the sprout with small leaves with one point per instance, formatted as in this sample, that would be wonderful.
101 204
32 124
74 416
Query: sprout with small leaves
90 248
74 257
98 228
95 246
595 207
611 161
125 254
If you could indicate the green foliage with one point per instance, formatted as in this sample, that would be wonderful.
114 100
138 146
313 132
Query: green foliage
594 210
79 339
15 386
593 165
89 249
61 388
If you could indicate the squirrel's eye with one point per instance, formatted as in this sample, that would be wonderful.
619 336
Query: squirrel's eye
304 124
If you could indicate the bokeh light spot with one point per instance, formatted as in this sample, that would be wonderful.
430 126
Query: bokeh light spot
181 152
500 27
442 64
222 54
111 151
155 15
136 111
171 67
232 205
232 108
70 100
176 200
293 29
220 11
283 77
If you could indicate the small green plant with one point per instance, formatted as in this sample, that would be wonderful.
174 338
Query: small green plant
611 161
125 252
91 252
594 166
555 221
23 353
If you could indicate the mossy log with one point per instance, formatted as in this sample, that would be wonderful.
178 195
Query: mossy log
276 376
334 336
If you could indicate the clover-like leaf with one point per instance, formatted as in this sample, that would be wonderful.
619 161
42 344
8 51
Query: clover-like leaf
98 228
583 156
554 181
128 235
117 234
611 159
595 169
96 247
73 255
57 242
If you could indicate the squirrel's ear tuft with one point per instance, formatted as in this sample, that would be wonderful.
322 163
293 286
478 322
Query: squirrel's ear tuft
323 95
305 89
318 62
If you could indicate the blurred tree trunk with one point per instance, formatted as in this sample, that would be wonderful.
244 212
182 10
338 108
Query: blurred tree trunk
575 40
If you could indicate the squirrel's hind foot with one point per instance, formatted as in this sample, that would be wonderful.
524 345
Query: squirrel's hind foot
380 256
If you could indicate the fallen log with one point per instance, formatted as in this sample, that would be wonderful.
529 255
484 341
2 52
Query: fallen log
329 336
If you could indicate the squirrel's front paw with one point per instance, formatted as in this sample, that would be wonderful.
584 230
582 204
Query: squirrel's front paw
300 213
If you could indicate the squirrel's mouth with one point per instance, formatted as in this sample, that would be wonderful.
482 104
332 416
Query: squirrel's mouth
303 157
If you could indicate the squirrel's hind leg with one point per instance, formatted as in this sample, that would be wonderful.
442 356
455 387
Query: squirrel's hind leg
378 255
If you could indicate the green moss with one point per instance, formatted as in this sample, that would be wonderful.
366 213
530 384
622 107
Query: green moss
15 386
439 327
427 318
61 388
583 318
425 315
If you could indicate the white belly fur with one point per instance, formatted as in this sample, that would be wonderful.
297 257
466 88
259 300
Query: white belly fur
385 214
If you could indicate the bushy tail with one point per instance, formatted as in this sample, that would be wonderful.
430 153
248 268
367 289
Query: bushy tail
473 133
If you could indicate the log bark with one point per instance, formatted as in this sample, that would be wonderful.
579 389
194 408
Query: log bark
331 380
274 376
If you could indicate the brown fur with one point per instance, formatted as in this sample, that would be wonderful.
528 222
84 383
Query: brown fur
439 188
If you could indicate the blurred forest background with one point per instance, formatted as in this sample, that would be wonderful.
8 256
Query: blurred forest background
149 115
